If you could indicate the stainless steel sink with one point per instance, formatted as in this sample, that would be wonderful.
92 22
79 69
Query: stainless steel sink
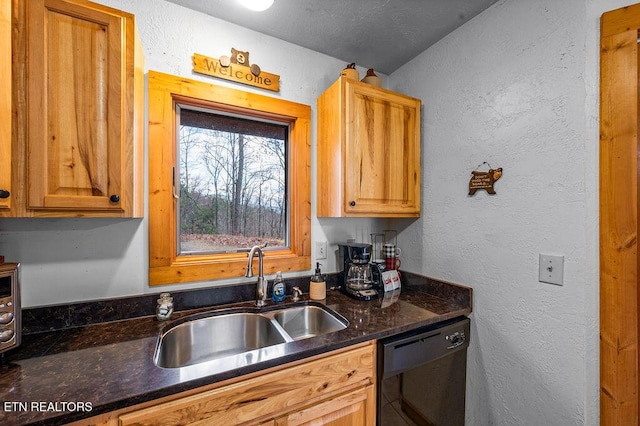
308 321
240 338
204 339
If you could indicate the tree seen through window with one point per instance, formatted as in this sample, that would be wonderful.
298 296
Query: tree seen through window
233 175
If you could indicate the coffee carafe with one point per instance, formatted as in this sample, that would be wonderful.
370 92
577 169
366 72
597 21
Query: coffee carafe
360 279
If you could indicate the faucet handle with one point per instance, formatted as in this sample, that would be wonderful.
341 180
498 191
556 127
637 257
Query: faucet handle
297 293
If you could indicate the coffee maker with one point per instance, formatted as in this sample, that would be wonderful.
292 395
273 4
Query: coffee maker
359 278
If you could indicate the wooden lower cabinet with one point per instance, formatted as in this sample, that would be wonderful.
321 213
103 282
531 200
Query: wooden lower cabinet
353 408
335 389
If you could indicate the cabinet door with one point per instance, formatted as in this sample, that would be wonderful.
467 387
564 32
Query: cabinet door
355 408
76 102
258 400
382 167
5 106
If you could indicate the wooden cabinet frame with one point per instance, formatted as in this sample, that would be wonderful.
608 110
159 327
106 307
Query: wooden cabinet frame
5 104
619 258
165 266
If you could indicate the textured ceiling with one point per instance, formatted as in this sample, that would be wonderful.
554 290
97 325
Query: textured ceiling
379 34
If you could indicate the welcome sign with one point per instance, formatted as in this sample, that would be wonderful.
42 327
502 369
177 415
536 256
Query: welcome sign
236 69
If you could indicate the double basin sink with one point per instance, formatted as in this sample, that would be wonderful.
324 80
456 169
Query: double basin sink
241 336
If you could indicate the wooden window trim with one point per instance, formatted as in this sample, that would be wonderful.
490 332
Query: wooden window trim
165 267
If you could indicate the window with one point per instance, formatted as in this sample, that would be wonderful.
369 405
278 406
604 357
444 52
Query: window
228 170
233 182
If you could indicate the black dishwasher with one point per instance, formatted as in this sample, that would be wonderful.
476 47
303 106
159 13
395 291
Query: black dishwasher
422 375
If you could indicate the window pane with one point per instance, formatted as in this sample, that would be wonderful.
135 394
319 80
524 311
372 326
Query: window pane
233 174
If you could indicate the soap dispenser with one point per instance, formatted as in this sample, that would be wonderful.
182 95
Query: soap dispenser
318 286
278 288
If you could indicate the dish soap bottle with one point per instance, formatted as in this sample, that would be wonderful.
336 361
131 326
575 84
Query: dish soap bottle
278 288
318 286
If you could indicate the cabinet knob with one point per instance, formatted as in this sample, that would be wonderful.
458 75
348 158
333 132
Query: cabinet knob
352 203
114 198
4 193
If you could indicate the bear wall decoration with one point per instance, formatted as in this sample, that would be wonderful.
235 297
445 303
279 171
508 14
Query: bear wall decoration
484 180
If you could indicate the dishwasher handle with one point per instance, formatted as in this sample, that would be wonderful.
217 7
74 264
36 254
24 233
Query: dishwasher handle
410 350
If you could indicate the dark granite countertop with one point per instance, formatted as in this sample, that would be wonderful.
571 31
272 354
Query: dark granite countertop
54 377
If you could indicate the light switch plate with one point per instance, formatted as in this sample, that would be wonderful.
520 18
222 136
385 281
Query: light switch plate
551 269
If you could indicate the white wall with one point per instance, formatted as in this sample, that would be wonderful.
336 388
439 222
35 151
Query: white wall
516 87
68 260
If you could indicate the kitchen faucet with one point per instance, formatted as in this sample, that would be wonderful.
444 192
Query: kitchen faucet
261 284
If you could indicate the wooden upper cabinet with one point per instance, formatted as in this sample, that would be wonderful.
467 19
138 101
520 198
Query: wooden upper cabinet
84 104
368 152
5 106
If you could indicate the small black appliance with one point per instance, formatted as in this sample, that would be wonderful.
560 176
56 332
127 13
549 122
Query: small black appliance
359 278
